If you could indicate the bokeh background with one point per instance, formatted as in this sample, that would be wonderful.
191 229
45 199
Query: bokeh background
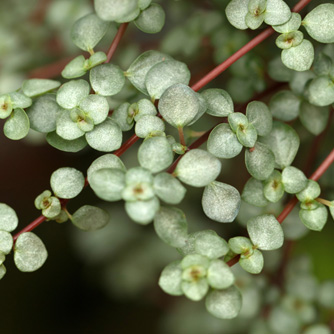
106 281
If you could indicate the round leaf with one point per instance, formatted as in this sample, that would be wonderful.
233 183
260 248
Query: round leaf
260 117
294 180
151 20
313 118
277 12
115 10
254 263
314 219
171 278
96 107
149 125
219 102
253 193
320 92
195 290
285 105
8 218
17 125
236 12
220 275
90 218
35 87
208 243
142 212
6 242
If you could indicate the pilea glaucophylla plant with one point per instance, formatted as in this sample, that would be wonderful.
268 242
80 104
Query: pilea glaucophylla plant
160 107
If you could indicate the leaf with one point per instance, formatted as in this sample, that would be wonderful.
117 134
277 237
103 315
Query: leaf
149 125
273 187
155 154
313 118
90 218
259 161
320 91
138 70
105 161
254 263
19 100
105 137
294 180
223 143
8 218
265 232
67 182
165 74
171 278
179 105
108 183
198 168
289 40
35 87
314 219
220 275
247 136
310 192
284 143
236 12
151 20
75 68
241 245
195 290
284 105
115 10
6 242
168 188
300 57
17 125
277 12
66 127
88 31
71 93
224 304
219 102
61 144
171 226
292 25
142 212
95 107
319 23
107 79
253 193
29 252
221 202
259 116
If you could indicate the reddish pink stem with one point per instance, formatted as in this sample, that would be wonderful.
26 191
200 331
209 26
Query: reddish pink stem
117 39
30 227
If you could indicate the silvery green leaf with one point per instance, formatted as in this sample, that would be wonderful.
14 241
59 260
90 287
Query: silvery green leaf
95 59
319 23
155 154
141 191
202 108
2 271
236 12
253 263
107 79
323 64
105 137
283 141
35 87
277 12
67 182
17 125
144 107
198 168
108 183
143 4
220 275
224 304
314 219
260 161
149 125
90 218
88 31
171 226
171 278
223 143
137 175
195 290
168 188
96 107
66 128
265 232
130 17
29 252
71 93
289 40
6 106
318 329
237 119
310 192
313 118
114 10
273 189
142 212
294 180
194 260
179 105
105 161
54 208
151 20
299 80
219 102
278 71
75 68
121 115
321 91
8 218
6 242
254 21
253 193
221 202
241 245
43 113
165 74
259 116
300 57
208 243
247 136
19 100
292 25
138 70
43 200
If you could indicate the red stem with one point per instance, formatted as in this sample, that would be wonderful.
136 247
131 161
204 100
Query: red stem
126 145
117 39
30 227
